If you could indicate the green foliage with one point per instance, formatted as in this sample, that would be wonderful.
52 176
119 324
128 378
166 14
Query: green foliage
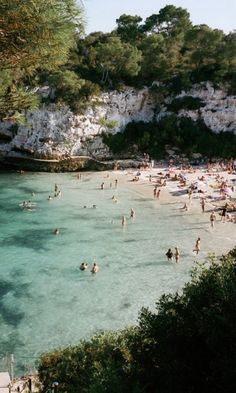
34 35
41 41
128 28
181 132
192 337
186 102
103 364
68 88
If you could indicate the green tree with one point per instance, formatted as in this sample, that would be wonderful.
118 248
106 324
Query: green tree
117 60
201 49
170 21
128 28
33 36
190 343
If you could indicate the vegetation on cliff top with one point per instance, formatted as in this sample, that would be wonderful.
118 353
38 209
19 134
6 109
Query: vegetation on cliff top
187 345
42 43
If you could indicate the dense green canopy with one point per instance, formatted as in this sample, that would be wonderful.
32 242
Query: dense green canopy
34 35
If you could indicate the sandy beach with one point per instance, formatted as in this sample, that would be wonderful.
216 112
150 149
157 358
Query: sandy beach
211 190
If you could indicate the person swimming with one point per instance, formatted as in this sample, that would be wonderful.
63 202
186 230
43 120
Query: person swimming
169 254
94 268
83 266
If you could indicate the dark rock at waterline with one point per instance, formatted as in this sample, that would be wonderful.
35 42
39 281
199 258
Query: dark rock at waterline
71 164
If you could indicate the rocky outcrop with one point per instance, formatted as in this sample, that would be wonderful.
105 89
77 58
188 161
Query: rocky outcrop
57 134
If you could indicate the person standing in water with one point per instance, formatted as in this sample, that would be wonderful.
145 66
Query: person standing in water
94 268
158 194
123 221
212 218
197 245
132 213
169 254
177 254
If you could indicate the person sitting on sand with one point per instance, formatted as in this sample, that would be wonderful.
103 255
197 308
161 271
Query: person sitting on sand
83 266
94 268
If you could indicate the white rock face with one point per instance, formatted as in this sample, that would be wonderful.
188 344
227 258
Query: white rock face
219 113
54 133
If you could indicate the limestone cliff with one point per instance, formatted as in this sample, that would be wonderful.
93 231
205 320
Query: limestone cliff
50 133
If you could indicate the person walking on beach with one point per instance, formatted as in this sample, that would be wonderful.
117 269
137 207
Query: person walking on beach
203 204
169 254
155 191
212 218
197 245
177 254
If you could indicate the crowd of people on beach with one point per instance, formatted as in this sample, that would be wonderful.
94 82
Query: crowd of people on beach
213 185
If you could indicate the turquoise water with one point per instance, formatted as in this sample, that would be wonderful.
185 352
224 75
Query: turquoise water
45 300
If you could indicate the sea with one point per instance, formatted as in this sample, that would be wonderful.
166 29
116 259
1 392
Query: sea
46 301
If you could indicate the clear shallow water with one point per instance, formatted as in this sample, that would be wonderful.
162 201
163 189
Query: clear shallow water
45 300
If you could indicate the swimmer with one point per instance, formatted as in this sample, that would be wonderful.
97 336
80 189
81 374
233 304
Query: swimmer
132 213
83 266
94 206
94 268
169 254
56 231
177 254
49 198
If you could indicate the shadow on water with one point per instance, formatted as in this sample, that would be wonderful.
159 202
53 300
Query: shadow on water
125 305
9 316
11 344
34 239
178 193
